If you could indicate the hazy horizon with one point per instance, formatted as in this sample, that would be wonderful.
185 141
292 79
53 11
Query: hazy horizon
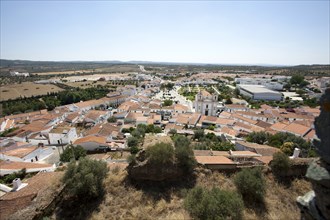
223 33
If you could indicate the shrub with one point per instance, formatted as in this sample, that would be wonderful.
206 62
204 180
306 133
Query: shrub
280 163
134 150
213 204
71 152
161 153
132 142
199 134
258 137
251 184
8 179
84 180
167 102
112 119
173 132
287 148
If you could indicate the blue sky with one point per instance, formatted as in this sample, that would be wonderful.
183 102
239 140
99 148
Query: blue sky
238 32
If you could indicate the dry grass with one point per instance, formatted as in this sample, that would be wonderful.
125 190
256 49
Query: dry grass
124 200
93 77
151 139
26 89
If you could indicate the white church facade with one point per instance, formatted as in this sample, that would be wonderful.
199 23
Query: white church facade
206 104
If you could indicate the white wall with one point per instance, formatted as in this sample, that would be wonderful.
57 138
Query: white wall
64 138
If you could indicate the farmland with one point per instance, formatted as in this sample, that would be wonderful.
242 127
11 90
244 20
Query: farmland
26 89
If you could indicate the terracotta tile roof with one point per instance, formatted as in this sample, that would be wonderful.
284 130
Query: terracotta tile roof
12 165
261 149
25 115
205 93
265 159
213 160
278 126
179 107
210 153
240 117
102 130
235 106
92 138
35 126
20 152
72 116
128 105
60 129
95 114
89 103
297 129
9 124
13 201
225 114
243 154
310 135
229 131
264 106
263 124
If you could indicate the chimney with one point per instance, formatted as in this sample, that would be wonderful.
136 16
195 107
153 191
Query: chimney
16 183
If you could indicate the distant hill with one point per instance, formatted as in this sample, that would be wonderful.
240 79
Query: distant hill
48 66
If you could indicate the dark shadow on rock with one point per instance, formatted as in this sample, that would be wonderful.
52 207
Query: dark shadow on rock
75 209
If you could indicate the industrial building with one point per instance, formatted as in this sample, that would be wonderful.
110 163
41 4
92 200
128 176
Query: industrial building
257 92
268 83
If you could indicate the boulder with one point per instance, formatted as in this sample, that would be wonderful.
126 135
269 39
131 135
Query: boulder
143 169
316 204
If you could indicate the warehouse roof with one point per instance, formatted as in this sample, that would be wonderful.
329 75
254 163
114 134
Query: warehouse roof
258 89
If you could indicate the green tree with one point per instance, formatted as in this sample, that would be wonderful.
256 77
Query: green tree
213 204
72 152
112 119
160 154
167 102
84 179
251 184
258 137
199 134
184 154
132 142
296 79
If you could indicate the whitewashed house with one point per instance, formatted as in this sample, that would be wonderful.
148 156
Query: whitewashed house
62 135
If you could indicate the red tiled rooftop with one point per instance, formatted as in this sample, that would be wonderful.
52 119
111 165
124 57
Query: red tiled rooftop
213 160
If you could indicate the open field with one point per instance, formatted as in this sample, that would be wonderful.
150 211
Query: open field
63 72
26 89
112 69
110 76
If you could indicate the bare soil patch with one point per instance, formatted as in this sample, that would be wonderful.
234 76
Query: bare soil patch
26 89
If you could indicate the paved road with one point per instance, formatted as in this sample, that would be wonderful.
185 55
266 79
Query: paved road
216 90
142 68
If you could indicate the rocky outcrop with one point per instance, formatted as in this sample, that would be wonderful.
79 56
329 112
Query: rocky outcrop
316 204
143 169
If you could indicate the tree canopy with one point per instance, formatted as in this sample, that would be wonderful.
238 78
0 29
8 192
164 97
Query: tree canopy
84 179
72 152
